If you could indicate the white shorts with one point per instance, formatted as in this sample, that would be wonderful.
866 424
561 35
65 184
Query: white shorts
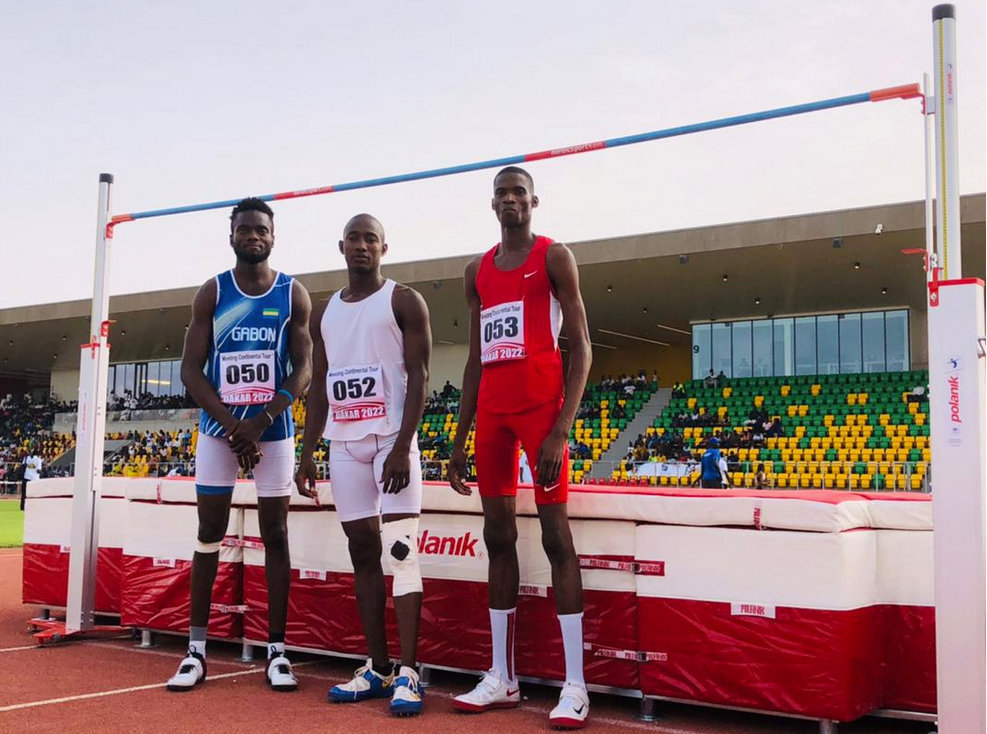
355 470
217 466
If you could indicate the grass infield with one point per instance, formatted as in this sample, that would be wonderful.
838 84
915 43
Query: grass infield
11 524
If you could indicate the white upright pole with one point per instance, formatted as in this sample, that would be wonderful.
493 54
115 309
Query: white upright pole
958 414
928 120
947 170
93 368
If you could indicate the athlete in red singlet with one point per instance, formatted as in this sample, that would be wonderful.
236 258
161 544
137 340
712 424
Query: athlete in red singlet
519 293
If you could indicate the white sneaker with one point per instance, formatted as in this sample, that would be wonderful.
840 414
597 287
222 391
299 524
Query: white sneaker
490 693
191 672
573 708
280 676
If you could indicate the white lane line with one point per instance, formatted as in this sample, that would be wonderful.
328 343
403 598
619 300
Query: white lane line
117 691
23 647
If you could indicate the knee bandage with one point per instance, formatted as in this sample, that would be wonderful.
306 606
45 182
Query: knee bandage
400 541
201 547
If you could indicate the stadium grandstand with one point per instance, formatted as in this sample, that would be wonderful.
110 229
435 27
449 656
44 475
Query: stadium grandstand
799 342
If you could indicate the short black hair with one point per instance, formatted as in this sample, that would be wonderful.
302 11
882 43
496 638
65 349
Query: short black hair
251 204
518 170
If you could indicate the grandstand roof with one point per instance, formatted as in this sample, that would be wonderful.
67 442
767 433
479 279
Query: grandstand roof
792 264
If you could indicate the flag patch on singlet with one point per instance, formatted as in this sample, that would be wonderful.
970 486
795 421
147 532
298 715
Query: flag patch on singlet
271 312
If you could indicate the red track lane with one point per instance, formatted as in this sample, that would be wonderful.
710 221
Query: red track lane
240 702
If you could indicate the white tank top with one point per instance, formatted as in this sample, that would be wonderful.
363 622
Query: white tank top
367 380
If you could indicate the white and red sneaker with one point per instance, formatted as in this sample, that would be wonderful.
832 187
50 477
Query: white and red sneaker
490 693
573 708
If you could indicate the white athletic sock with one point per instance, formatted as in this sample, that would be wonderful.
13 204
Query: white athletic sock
274 649
572 643
197 646
502 635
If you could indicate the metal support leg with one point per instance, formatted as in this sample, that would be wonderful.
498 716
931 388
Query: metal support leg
147 639
425 676
247 653
45 614
827 726
647 712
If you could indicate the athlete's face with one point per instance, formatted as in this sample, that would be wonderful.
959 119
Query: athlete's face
363 244
252 237
513 200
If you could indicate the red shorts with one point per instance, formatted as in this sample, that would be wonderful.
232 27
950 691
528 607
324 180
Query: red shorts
496 444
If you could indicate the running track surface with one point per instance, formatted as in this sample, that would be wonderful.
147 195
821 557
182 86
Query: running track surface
111 686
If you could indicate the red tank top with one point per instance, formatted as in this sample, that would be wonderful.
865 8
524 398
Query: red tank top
520 318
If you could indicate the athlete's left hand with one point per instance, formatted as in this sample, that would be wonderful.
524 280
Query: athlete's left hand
397 471
247 433
550 460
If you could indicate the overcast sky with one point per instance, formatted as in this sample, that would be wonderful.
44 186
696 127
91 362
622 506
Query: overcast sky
199 100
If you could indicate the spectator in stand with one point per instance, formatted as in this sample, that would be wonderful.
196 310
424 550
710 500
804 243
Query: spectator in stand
678 390
714 467
760 478
710 380
775 429
721 379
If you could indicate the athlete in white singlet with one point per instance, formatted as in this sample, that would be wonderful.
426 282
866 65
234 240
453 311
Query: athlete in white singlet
371 348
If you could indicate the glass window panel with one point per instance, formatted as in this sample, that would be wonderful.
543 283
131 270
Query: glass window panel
721 349
128 378
828 344
153 383
784 347
850 343
701 352
896 333
177 388
872 330
742 349
762 348
805 345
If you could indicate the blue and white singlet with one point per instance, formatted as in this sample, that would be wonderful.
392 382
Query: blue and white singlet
248 358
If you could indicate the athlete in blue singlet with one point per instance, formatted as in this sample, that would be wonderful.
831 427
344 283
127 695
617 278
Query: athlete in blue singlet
248 354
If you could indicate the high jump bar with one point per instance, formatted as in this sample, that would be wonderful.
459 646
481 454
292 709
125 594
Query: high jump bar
905 91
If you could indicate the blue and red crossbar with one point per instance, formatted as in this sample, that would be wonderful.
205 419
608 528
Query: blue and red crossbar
907 91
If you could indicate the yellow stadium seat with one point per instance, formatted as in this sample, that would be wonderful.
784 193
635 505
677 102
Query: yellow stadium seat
785 390
804 481
758 400
920 419
851 398
862 398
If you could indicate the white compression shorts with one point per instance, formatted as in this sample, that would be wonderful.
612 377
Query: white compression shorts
355 471
216 466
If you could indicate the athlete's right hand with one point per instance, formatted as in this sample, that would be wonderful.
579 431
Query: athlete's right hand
305 478
457 472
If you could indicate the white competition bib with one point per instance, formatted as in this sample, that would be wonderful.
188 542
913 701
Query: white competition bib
356 393
502 332
246 378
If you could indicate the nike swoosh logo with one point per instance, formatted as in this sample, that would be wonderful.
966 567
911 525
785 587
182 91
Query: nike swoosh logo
579 710
529 275
549 489
514 692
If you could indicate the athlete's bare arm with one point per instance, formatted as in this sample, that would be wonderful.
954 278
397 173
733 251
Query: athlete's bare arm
316 406
248 432
564 275
411 313
194 356
471 385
